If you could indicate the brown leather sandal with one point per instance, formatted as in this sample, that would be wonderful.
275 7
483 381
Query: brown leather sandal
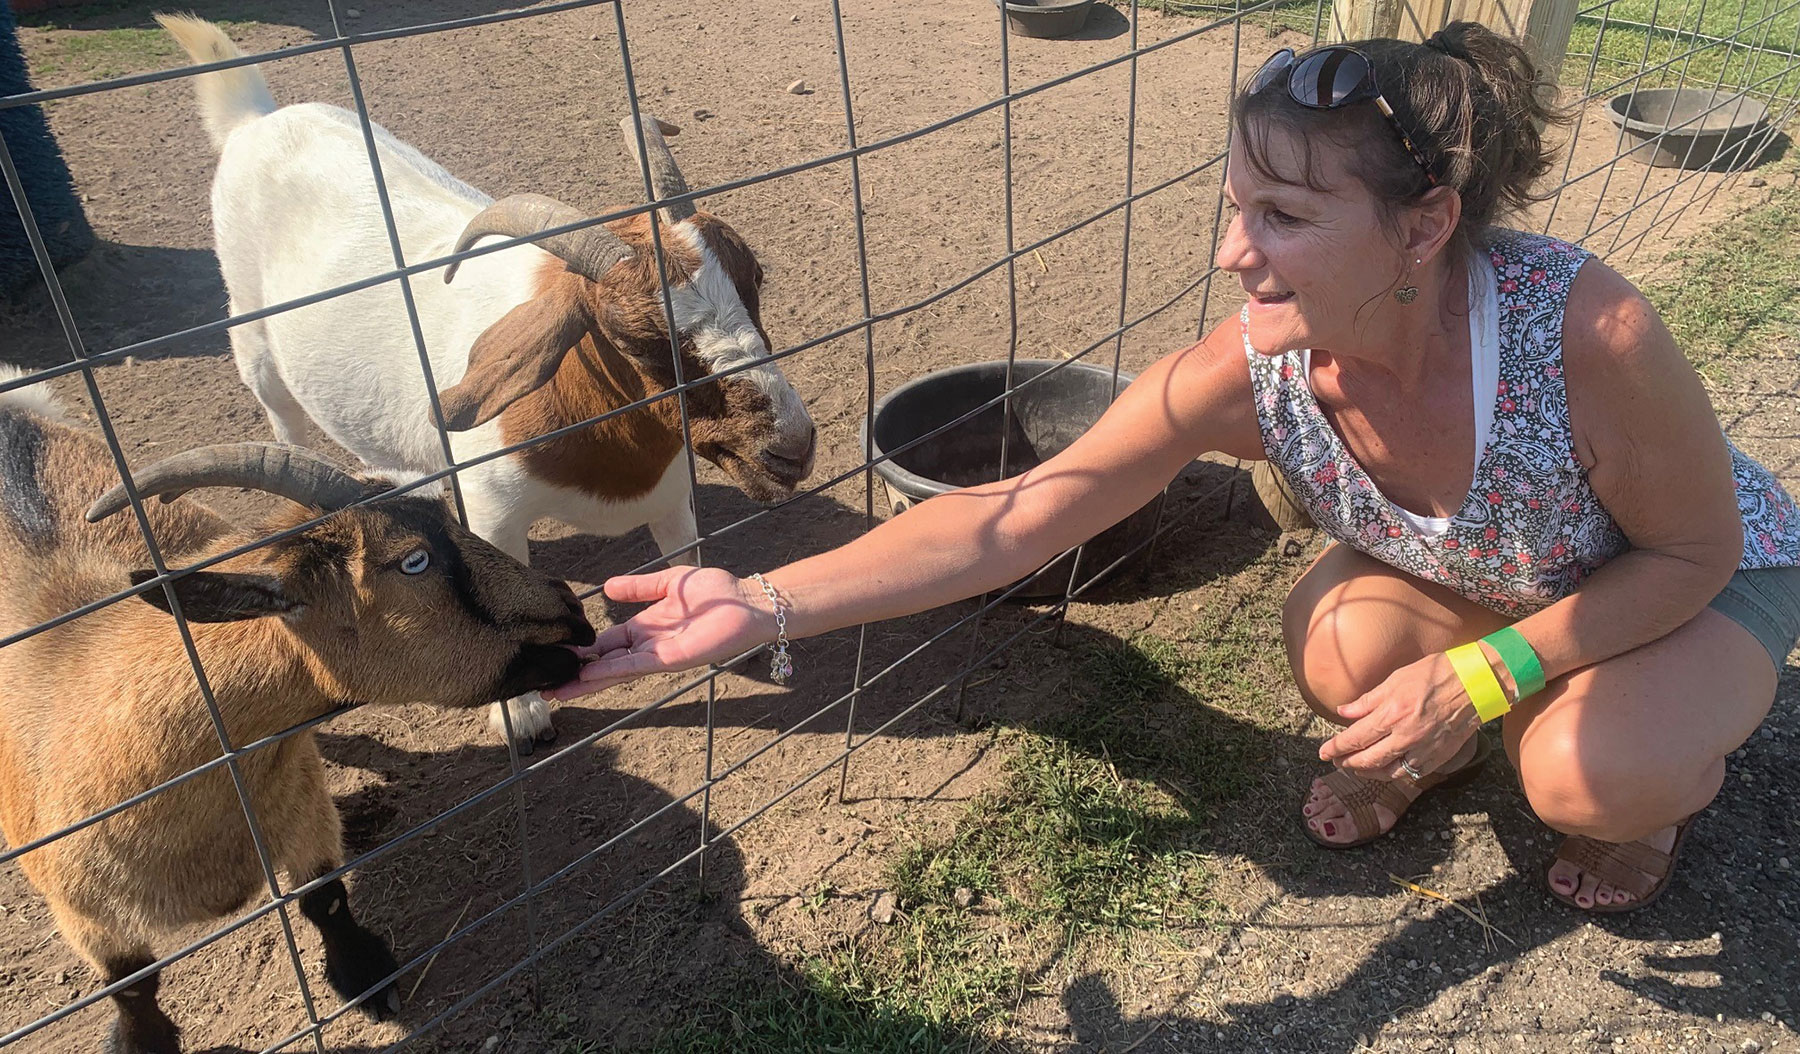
1359 796
1635 867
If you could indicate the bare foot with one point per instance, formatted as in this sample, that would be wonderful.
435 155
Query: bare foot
1328 818
1588 891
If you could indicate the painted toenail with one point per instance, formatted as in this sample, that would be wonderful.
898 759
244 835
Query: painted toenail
1330 830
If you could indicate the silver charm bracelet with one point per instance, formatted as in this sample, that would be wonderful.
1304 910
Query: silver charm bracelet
781 664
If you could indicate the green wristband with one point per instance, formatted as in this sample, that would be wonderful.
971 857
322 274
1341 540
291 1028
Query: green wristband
1519 659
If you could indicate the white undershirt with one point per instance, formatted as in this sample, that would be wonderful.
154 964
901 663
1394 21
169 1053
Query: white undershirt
1484 374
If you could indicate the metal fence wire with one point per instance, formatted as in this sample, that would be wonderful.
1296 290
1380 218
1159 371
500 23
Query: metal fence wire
1611 207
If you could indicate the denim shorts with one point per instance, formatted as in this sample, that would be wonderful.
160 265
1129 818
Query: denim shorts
1765 601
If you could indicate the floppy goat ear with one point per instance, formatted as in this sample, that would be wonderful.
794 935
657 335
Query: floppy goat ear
220 596
515 357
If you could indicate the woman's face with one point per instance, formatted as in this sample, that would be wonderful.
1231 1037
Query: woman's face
1317 266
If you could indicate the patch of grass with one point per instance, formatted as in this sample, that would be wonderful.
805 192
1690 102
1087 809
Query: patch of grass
1301 16
76 55
1677 35
845 1007
1068 847
1735 291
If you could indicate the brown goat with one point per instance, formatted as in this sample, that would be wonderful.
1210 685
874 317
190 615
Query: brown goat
388 602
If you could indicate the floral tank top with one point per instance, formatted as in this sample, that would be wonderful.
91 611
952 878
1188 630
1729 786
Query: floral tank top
1531 528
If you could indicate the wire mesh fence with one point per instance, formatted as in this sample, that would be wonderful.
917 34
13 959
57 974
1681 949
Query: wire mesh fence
1146 226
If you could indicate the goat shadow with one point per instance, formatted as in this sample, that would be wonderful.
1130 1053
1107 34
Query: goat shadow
664 949
119 295
656 946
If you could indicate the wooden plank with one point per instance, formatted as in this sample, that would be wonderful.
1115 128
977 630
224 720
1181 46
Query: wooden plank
1543 24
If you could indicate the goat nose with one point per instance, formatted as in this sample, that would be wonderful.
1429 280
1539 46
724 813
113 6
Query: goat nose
581 631
798 447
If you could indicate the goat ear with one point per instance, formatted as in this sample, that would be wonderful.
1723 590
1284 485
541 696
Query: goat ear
513 358
220 596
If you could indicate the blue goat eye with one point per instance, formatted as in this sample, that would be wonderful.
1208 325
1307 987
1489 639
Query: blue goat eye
416 561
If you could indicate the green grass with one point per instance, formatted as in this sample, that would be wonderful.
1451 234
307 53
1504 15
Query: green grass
825 1016
1767 30
1301 16
67 55
102 53
1735 293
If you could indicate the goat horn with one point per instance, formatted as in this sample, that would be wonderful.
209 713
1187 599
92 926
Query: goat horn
589 252
286 471
665 174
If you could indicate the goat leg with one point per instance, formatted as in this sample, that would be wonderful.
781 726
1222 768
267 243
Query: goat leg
141 1027
356 960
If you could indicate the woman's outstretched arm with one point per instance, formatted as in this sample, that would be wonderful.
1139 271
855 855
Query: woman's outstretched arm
955 545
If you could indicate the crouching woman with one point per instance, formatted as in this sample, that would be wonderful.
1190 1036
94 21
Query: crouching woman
1537 517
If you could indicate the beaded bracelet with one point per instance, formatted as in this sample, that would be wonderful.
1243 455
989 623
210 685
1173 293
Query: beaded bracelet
781 664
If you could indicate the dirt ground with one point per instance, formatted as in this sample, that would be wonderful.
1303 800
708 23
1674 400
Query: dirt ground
1324 953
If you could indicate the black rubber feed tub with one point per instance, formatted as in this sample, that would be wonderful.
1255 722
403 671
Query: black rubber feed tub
1689 127
1047 416
1046 18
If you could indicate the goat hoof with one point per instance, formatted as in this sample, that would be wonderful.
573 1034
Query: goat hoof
149 1036
383 1005
357 964
530 721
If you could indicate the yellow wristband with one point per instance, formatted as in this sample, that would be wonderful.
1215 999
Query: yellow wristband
1478 680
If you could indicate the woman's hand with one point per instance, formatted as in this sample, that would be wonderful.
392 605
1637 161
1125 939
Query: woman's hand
699 615
1419 714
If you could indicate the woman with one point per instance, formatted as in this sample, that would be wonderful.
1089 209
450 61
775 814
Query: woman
1533 502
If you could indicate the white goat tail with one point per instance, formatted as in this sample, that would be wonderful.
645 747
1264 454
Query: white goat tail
228 98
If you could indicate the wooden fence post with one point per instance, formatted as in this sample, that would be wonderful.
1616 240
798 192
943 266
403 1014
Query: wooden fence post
1543 24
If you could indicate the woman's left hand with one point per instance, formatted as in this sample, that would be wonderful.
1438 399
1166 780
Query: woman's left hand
1419 714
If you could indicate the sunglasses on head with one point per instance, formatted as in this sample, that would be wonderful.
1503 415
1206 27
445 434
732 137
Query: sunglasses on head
1331 77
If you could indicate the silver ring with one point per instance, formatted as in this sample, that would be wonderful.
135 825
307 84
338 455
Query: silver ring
1413 774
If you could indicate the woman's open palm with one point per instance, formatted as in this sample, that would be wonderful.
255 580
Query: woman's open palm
697 615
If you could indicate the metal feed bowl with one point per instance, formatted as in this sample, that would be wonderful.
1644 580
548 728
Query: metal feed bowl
1046 18
1689 127
1047 416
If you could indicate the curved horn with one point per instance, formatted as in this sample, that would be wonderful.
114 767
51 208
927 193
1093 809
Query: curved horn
588 252
286 471
665 174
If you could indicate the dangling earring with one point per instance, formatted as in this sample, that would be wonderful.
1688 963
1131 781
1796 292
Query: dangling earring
1406 294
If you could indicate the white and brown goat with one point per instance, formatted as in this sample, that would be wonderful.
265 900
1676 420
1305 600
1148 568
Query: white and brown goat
523 341
389 602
